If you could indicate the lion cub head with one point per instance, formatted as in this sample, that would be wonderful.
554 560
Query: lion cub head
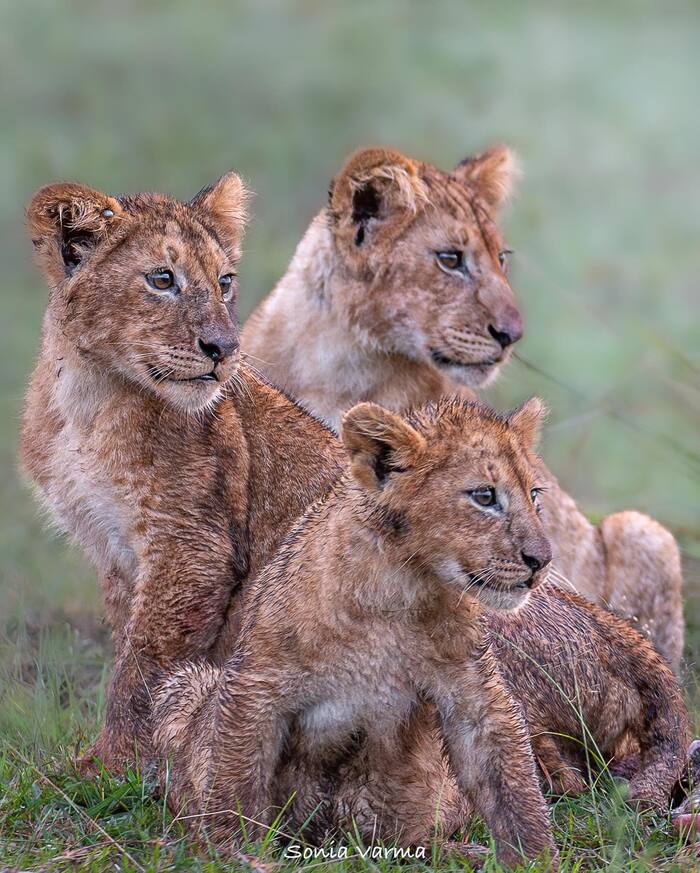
453 489
424 265
144 286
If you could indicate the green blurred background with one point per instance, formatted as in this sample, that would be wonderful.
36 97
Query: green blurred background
600 99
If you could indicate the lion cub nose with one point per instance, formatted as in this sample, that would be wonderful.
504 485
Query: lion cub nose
538 561
219 347
509 330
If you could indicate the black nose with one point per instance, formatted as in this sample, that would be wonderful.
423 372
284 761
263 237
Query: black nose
508 327
217 348
501 336
535 562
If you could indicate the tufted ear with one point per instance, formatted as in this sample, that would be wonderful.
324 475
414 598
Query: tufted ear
223 205
492 173
66 222
375 185
527 421
378 443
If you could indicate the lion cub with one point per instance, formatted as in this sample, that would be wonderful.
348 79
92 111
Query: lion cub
175 469
399 293
373 608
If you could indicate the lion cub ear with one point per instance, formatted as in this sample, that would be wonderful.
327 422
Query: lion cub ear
375 185
527 421
225 204
378 443
492 174
66 222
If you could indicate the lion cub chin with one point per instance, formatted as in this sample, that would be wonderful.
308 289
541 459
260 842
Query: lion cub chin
370 610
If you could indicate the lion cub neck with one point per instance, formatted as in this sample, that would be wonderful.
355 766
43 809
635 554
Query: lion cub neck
297 339
82 443
363 575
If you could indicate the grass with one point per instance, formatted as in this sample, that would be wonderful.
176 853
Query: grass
596 97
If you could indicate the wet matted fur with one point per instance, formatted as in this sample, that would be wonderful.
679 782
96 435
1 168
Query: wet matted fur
337 691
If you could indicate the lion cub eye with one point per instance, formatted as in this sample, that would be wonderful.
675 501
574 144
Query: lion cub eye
226 284
161 280
503 256
483 496
535 497
452 260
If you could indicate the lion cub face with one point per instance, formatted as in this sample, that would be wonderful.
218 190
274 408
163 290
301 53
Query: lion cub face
425 265
454 490
145 286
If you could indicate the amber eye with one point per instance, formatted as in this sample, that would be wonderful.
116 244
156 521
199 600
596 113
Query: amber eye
452 260
483 496
161 280
503 256
226 284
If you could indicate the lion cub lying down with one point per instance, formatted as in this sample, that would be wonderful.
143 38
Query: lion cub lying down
364 653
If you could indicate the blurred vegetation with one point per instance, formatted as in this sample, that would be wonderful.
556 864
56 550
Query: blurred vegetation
597 98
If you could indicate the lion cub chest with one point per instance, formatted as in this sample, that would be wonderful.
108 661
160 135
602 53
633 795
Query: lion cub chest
90 483
370 687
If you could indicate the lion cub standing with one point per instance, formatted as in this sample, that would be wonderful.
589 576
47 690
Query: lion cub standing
370 610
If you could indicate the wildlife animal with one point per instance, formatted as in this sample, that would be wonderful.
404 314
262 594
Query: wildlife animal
398 293
174 468
369 689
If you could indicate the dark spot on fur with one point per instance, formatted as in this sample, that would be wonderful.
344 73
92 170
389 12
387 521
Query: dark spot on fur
239 551
214 510
342 757
365 203
360 235
397 521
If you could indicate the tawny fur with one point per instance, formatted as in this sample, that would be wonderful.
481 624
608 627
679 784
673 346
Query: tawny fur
366 311
318 697
176 490
368 612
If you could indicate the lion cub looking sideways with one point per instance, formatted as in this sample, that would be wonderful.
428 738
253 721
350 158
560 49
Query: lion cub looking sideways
176 470
398 293
372 608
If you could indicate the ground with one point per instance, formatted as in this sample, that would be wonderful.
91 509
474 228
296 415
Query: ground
596 97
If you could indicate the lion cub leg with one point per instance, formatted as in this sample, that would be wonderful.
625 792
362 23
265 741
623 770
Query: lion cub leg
489 751
644 579
252 716
560 773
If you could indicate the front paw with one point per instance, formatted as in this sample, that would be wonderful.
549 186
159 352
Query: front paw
648 797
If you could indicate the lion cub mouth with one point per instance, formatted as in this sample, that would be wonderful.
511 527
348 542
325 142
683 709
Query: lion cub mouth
475 581
443 360
159 376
